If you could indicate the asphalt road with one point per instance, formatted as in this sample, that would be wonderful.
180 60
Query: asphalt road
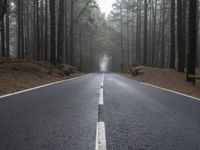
64 116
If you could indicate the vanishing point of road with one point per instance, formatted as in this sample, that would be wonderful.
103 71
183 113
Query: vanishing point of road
99 112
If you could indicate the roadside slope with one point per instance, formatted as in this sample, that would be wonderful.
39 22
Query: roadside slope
19 75
167 78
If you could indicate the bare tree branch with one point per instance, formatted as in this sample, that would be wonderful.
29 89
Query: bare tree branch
83 10
75 1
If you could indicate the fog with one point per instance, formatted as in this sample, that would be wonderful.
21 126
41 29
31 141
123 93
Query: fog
104 63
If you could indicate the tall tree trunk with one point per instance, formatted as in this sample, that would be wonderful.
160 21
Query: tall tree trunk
163 36
138 32
158 48
150 33
3 9
72 34
46 31
19 28
145 32
42 30
38 31
27 22
192 38
3 38
66 34
154 33
34 42
198 50
7 32
53 31
133 37
128 42
22 30
181 48
60 44
122 49
2 12
173 28
184 12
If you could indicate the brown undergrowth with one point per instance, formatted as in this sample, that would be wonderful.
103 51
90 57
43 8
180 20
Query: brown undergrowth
18 75
168 78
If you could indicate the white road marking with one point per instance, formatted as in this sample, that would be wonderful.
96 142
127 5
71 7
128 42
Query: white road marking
102 81
100 129
101 84
101 97
35 88
101 138
175 92
103 77
170 91
101 91
97 137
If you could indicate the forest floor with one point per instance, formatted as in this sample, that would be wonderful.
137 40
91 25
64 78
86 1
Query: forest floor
169 79
19 75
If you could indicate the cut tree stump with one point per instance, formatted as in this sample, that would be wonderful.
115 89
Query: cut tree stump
194 77
136 71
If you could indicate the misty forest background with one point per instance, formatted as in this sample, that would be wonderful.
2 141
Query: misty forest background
157 33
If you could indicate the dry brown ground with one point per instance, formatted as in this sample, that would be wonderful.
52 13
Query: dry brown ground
168 78
16 75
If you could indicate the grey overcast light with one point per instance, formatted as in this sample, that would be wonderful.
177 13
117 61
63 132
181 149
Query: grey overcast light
99 74
106 5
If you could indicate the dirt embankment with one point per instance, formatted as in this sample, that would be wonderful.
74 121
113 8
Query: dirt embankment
168 78
18 75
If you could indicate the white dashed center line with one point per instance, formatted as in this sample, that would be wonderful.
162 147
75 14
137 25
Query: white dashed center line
101 97
101 138
100 129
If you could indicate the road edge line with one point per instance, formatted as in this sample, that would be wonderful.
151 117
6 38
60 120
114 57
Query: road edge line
37 87
162 88
168 90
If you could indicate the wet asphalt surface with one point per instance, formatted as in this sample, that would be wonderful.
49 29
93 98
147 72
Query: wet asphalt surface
58 117
139 117
64 117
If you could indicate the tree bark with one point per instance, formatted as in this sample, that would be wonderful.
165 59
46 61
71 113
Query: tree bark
19 28
7 32
46 31
163 36
192 38
53 31
173 41
60 44
72 34
154 33
181 48
38 31
121 33
3 38
66 34
3 8
145 32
